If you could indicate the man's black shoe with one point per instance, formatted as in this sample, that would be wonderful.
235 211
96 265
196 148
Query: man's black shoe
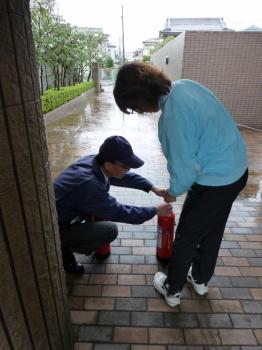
74 267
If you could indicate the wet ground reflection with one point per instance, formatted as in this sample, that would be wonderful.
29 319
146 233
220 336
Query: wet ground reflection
253 141
82 133
78 134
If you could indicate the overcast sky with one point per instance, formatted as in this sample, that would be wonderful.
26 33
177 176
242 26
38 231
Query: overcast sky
143 19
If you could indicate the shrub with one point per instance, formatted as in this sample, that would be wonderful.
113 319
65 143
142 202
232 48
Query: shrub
55 98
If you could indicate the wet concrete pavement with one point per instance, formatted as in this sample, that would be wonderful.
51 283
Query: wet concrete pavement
113 305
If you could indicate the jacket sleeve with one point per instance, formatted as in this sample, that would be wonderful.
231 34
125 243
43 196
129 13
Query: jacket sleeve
132 180
178 139
100 203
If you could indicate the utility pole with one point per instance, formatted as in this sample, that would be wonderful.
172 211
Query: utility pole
123 36
119 50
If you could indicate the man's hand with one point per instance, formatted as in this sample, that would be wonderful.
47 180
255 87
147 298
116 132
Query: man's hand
158 191
168 198
164 209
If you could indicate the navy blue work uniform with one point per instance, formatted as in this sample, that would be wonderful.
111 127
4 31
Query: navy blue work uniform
82 192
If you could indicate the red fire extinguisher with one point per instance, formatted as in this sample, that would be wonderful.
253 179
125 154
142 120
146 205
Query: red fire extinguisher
165 236
105 250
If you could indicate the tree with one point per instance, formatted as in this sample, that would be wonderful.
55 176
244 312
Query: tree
146 58
76 59
93 51
42 27
65 50
109 63
59 53
161 44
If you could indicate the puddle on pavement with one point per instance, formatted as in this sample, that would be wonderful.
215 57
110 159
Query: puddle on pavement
81 133
253 189
253 140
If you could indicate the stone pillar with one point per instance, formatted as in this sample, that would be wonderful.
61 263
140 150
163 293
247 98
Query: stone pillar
96 77
33 301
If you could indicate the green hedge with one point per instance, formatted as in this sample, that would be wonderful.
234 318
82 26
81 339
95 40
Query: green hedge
53 98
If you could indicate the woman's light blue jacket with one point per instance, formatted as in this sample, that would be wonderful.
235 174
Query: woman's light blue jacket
199 138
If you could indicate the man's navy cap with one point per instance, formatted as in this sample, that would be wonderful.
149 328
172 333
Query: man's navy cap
117 148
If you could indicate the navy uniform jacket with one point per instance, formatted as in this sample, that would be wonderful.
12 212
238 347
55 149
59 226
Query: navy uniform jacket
81 191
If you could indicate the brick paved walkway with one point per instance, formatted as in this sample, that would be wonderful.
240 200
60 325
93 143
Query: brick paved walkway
114 306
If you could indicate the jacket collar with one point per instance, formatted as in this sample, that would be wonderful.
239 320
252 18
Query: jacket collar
98 171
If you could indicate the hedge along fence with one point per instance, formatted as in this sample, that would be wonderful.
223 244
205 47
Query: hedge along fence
55 98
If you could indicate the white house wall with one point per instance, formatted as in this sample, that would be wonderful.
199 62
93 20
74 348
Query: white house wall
173 50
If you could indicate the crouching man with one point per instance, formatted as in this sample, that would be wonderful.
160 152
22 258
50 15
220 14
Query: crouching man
82 193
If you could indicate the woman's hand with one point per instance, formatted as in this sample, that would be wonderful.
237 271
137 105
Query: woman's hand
158 191
168 198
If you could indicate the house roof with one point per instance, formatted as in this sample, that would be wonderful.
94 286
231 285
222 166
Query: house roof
109 45
253 29
151 41
178 25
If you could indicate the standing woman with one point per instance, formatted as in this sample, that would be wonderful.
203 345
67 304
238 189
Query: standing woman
206 157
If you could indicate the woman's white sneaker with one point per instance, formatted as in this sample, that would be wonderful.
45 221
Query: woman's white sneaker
159 284
200 288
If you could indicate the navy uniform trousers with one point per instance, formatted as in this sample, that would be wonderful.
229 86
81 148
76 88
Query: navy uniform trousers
85 237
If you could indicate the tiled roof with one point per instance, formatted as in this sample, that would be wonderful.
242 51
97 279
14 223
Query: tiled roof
198 24
253 29
151 40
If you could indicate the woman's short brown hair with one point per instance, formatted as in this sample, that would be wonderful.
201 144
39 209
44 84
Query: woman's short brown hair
139 84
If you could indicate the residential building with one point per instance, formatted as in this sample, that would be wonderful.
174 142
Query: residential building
111 51
176 26
149 44
253 29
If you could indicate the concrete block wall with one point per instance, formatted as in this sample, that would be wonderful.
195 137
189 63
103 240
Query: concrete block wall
229 63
